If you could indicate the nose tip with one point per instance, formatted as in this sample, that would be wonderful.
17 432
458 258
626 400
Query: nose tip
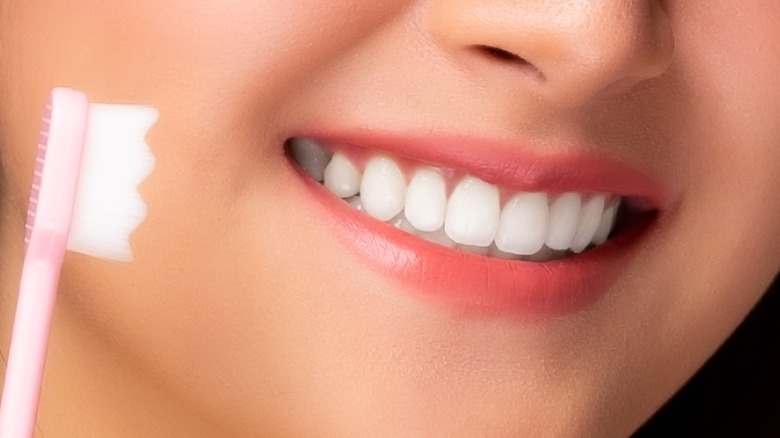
568 52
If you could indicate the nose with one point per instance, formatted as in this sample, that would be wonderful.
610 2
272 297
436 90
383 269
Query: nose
566 51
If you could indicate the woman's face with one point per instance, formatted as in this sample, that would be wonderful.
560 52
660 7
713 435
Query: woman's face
257 304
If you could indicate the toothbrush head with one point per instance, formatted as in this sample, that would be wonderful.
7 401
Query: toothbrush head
116 159
40 159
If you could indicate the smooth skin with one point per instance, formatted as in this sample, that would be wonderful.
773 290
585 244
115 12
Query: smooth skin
230 322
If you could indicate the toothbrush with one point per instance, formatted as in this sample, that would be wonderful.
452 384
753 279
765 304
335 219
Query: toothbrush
84 198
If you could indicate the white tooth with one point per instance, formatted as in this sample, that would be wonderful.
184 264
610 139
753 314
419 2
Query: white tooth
342 177
383 188
564 220
472 213
355 202
426 200
400 222
590 218
438 237
523 225
605 226
310 156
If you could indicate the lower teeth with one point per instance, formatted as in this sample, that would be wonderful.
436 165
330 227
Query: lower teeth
439 237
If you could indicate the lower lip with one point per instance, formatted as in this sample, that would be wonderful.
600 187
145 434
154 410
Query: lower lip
472 283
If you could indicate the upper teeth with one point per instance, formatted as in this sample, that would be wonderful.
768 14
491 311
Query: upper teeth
426 200
530 225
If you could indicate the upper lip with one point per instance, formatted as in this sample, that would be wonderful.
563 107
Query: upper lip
511 165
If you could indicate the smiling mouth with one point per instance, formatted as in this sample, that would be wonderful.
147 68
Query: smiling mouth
457 210
481 227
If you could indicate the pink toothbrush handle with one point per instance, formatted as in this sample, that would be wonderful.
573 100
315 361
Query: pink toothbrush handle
48 223
26 360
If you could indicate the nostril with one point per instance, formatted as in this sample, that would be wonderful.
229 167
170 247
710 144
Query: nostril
501 54
507 57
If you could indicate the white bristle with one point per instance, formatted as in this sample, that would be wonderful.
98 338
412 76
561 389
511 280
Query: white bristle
116 159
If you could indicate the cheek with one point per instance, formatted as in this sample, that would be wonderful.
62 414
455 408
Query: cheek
216 71
735 157
721 243
195 61
728 233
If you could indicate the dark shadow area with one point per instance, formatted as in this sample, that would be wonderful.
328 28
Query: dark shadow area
737 392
